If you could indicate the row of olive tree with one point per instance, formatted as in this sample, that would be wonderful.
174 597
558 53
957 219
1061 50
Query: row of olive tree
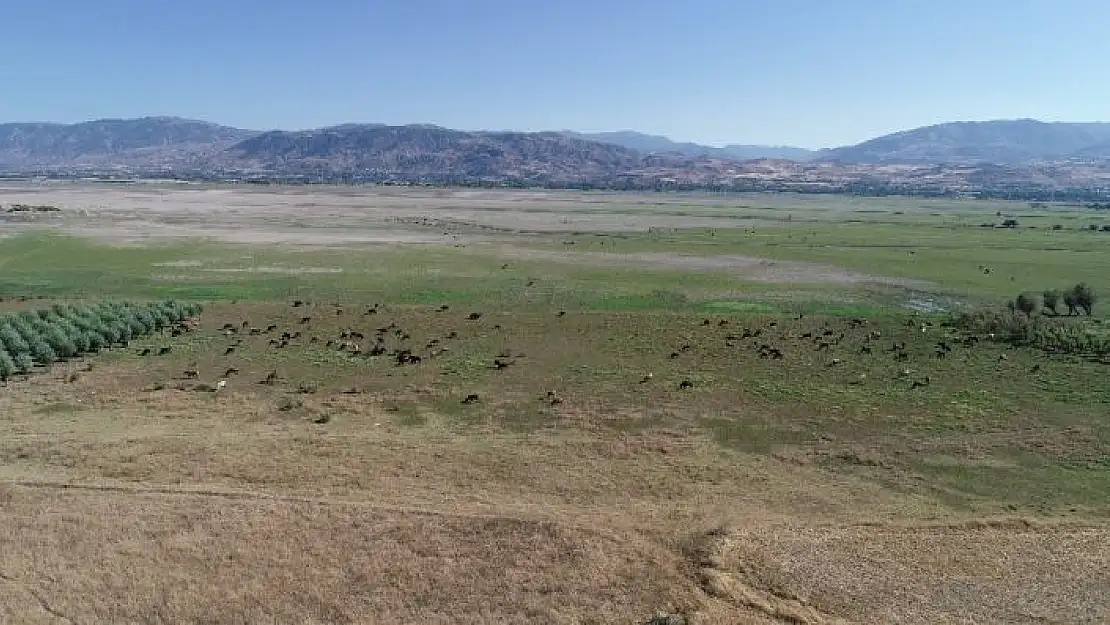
1079 298
63 331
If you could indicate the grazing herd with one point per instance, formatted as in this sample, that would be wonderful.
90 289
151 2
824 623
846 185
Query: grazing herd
858 347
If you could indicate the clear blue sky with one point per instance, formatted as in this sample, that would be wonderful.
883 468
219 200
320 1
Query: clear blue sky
804 72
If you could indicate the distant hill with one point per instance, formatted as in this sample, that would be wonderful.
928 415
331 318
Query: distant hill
430 150
112 140
1001 142
965 157
659 144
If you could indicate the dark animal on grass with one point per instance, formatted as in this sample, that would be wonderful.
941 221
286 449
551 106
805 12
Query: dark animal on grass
501 365
271 327
562 313
406 357
444 308
705 322
377 350
674 355
246 324
305 320
471 399
685 347
338 312
164 350
807 335
822 346
724 322
371 311
190 374
297 303
920 383
685 384
452 335
255 331
474 316
901 356
747 334
314 340
230 372
865 349
270 378
145 352
229 350
355 335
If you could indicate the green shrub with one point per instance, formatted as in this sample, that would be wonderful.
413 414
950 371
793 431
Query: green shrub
1051 299
1027 304
1084 297
11 339
7 366
23 362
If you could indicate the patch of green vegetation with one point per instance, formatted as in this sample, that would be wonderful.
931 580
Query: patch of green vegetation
58 408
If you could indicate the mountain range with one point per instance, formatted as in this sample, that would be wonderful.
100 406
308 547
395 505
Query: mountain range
426 152
659 144
1020 141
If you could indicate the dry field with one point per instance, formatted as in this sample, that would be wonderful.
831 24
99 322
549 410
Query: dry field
587 436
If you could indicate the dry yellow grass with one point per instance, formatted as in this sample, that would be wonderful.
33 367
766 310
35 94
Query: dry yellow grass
156 507
128 496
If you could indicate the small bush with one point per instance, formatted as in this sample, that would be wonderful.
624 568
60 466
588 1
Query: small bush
288 404
1027 304
1084 297
1051 300
7 366
11 340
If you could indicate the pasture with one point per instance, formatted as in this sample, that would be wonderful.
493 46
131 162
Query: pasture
480 407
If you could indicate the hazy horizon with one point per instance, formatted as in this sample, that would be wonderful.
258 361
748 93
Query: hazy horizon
810 75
